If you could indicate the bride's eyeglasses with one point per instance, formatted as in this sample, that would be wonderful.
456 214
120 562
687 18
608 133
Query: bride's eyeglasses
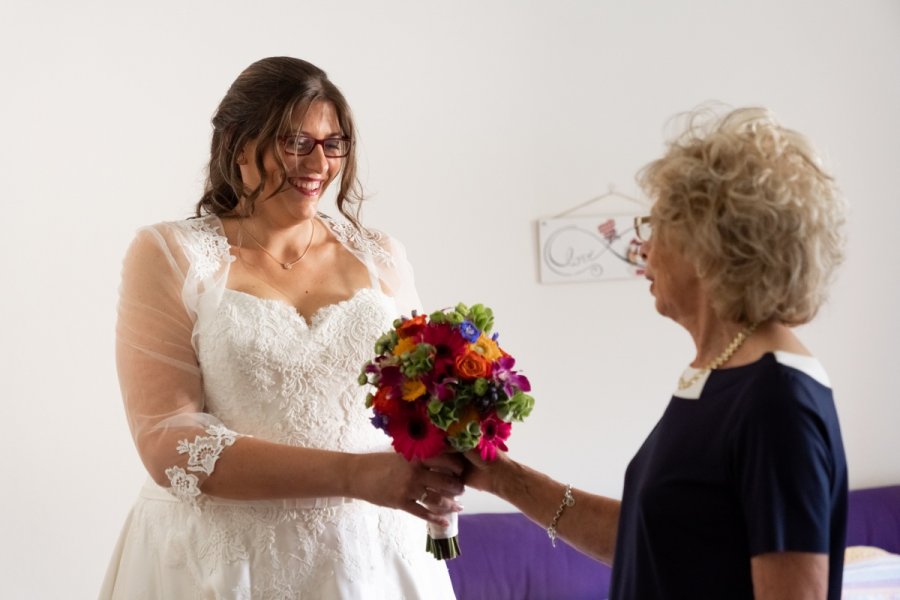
301 145
643 229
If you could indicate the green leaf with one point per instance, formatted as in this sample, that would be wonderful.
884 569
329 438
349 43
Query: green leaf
386 343
463 394
482 317
418 361
516 408
466 439
442 414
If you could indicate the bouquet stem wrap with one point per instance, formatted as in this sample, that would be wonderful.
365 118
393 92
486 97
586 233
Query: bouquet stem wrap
443 542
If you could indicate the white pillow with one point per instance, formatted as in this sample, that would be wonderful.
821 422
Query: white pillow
871 574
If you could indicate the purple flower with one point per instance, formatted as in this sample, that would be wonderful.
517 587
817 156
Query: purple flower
443 390
380 421
468 330
509 379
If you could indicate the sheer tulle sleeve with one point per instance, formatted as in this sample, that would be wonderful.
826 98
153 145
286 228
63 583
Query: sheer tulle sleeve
396 274
160 297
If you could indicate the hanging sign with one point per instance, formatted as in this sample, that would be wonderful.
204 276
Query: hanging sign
595 248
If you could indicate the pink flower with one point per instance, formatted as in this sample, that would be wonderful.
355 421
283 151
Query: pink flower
494 432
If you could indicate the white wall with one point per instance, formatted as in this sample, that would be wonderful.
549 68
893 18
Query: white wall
477 118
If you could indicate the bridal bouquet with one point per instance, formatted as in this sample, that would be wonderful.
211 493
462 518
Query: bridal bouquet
441 381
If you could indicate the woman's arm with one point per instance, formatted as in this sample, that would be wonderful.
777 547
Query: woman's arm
258 469
790 576
590 524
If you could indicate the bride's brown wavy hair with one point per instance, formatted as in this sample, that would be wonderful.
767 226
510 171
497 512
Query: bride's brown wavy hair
259 106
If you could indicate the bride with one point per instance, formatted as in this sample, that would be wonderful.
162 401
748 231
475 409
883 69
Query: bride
240 337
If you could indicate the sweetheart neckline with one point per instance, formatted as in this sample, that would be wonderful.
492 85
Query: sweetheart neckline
317 315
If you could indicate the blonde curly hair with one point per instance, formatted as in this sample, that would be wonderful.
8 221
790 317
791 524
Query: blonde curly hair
749 204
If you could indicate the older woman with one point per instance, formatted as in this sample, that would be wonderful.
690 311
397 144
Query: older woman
740 490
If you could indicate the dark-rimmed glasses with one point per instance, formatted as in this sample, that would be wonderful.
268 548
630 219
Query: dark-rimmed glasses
301 145
643 229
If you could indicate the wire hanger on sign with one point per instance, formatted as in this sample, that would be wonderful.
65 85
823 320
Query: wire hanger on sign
611 192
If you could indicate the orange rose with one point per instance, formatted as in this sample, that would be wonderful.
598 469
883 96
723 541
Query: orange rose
472 365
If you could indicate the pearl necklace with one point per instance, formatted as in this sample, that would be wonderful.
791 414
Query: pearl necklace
287 266
720 360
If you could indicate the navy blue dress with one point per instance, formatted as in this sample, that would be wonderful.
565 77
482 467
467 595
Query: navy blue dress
753 465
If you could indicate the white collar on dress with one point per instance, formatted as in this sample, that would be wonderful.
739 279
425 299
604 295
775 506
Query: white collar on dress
806 364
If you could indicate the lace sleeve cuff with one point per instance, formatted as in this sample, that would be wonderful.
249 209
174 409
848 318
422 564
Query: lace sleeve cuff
202 454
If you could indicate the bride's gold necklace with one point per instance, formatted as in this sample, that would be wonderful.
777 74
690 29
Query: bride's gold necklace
720 360
287 266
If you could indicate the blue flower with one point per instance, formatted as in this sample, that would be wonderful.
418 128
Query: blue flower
380 421
468 330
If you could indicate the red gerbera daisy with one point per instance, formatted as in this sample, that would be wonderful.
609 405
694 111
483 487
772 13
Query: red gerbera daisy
414 435
448 344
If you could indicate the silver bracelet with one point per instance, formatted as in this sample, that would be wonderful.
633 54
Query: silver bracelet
567 501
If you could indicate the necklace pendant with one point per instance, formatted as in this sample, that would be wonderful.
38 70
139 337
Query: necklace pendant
287 266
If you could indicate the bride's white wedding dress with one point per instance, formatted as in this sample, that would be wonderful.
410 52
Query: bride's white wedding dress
201 366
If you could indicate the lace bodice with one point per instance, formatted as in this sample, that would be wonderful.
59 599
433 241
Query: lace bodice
270 374
201 365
